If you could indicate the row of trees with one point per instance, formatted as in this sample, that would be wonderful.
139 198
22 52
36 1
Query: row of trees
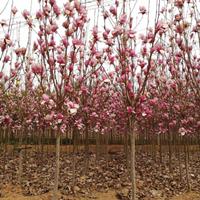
110 79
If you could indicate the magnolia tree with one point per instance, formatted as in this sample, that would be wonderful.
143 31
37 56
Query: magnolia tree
57 63
118 80
134 57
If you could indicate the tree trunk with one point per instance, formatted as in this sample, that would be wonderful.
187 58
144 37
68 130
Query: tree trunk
133 161
97 147
187 166
170 151
160 148
20 159
75 150
86 151
106 149
126 149
57 170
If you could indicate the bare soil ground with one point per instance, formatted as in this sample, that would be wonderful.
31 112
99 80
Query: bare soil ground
107 176
14 193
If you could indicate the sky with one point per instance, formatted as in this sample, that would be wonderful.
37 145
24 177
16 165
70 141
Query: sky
33 5
20 35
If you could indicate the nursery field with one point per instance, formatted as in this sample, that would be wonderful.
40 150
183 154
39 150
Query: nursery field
107 177
100 99
11 194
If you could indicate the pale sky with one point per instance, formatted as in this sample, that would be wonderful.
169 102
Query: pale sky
139 22
92 11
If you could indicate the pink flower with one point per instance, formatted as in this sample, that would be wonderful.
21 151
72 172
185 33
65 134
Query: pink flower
77 42
48 117
39 15
26 14
144 114
182 131
143 10
117 31
72 107
132 53
1 75
71 68
123 19
52 2
54 28
7 119
113 10
59 118
37 69
14 10
3 23
153 102
6 59
20 51
77 5
95 32
130 110
65 42
61 59
63 128
45 97
105 14
179 3
56 10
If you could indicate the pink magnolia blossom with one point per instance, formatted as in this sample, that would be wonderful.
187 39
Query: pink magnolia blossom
45 97
56 10
182 131
26 14
1 75
72 107
143 10
130 110
123 19
6 59
39 15
14 10
59 118
113 10
77 42
37 69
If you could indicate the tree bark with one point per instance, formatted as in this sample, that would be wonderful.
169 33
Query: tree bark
133 161
57 170
187 165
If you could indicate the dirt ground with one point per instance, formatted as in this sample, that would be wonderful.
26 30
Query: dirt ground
14 193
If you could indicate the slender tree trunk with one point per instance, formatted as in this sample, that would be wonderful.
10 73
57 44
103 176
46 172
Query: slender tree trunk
97 147
20 159
57 170
86 151
106 149
1 140
170 151
133 162
199 144
187 165
160 148
20 166
180 167
75 150
126 149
